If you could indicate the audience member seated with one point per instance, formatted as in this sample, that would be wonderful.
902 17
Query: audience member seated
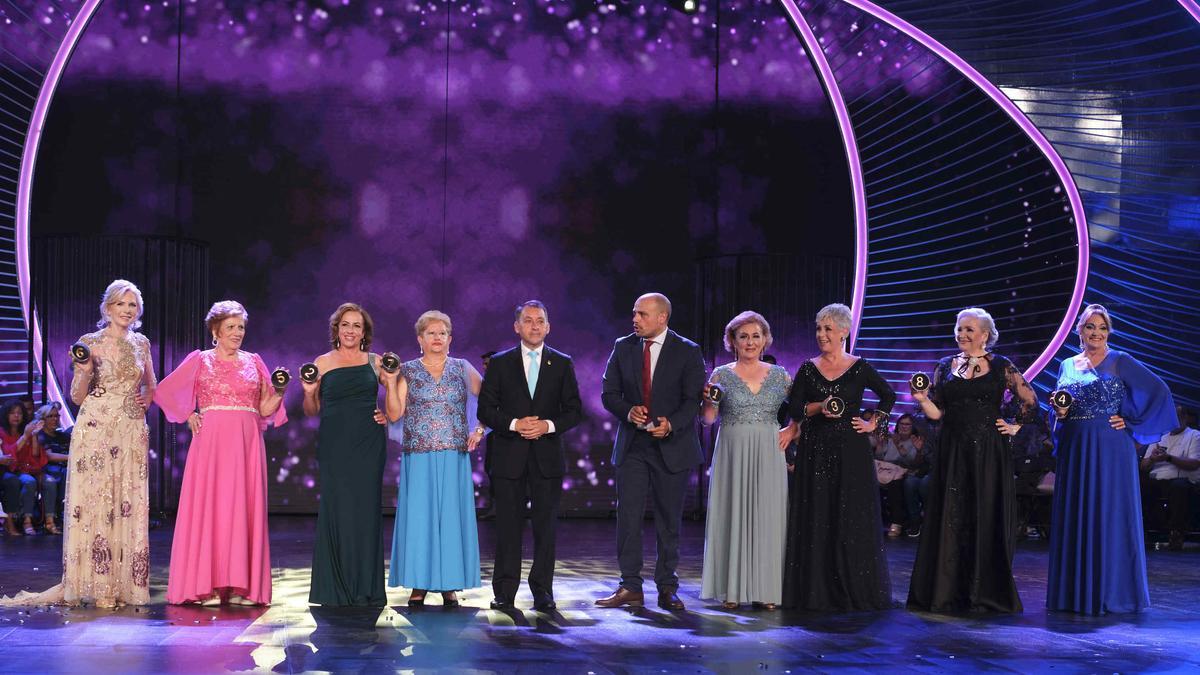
20 479
904 449
1033 469
1169 471
56 443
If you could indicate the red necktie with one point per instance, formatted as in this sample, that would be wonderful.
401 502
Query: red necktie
646 373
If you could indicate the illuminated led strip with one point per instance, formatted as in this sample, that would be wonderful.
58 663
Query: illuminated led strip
1030 129
25 183
813 47
1192 8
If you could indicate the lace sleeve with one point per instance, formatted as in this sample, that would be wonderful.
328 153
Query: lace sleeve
81 384
1028 410
940 373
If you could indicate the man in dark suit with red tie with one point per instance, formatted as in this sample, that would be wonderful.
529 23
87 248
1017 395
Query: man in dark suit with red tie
529 398
652 385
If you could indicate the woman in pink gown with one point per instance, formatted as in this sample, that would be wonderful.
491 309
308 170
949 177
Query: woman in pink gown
221 552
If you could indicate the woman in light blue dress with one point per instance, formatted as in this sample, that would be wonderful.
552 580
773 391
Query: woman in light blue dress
747 503
1097 554
435 546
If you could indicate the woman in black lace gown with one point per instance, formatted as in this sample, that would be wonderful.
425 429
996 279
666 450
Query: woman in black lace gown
964 561
835 557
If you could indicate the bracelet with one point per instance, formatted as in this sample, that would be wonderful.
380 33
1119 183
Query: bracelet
478 430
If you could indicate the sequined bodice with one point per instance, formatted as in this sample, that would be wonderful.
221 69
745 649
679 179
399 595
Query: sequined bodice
120 363
1095 393
227 384
435 413
742 406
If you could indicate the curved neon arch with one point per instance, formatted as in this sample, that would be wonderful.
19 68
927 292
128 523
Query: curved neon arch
857 183
1010 108
25 182
1192 8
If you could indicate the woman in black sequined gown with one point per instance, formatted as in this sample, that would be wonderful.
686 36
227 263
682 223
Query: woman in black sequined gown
835 557
964 560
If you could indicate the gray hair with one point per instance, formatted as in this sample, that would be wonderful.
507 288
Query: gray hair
113 293
985 322
838 313
40 413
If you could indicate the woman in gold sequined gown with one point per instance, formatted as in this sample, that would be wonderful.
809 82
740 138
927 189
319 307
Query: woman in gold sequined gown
106 553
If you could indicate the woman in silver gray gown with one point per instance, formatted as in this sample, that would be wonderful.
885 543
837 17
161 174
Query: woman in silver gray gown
747 504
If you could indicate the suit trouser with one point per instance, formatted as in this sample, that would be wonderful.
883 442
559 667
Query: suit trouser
643 472
509 499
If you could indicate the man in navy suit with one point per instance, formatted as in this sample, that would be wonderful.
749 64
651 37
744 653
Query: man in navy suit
652 385
529 398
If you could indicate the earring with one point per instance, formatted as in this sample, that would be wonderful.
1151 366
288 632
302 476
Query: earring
336 343
362 345
214 340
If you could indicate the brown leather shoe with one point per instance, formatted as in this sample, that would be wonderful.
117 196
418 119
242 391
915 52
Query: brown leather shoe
621 597
670 601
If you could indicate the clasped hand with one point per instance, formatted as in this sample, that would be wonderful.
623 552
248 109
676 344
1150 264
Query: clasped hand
531 428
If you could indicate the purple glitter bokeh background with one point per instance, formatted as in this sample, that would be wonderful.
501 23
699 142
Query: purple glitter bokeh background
462 156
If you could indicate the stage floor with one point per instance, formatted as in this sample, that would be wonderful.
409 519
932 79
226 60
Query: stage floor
290 636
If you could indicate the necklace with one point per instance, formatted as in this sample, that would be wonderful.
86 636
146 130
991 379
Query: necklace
433 365
970 363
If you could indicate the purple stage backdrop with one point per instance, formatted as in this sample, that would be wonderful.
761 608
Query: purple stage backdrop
462 156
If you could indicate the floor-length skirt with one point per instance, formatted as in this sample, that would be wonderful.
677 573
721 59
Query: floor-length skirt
964 558
747 516
435 545
106 543
835 559
347 558
1097 554
220 542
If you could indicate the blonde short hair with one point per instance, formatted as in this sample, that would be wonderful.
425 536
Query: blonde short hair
744 319
113 293
433 316
985 320
224 309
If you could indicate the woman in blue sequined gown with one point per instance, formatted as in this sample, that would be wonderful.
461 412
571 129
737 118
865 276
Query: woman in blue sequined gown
834 558
964 558
435 546
1097 554
747 502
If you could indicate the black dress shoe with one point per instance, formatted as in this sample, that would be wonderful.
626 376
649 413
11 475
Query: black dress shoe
416 601
502 605
670 601
544 603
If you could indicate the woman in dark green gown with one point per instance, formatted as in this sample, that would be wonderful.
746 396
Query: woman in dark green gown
347 567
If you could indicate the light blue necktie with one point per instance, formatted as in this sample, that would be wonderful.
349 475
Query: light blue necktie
533 372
